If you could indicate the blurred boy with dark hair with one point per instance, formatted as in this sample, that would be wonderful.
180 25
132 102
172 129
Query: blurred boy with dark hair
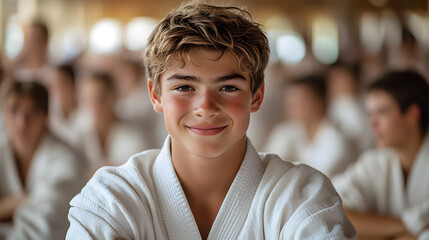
386 192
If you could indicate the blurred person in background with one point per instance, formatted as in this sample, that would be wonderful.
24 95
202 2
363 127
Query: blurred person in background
346 109
38 173
66 119
133 105
386 191
263 121
33 62
106 141
308 136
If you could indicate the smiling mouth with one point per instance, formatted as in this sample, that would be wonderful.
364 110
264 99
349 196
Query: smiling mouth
206 130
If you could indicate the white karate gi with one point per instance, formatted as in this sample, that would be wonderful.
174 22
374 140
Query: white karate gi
123 142
136 110
55 176
66 129
268 199
348 114
327 152
375 183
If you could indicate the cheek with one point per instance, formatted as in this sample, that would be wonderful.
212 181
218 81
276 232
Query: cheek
175 107
237 108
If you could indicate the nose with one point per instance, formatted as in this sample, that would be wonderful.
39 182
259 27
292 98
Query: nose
374 122
21 121
207 106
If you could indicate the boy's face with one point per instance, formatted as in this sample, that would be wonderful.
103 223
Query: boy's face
301 104
207 103
96 99
25 123
389 125
61 87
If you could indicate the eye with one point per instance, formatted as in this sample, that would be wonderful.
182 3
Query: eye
184 88
229 88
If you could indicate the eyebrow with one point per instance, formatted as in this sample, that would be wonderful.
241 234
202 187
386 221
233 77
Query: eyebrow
196 79
230 77
183 77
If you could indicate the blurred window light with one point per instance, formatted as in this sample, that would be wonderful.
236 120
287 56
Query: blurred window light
137 32
371 32
392 28
105 37
14 38
325 40
419 27
277 25
290 48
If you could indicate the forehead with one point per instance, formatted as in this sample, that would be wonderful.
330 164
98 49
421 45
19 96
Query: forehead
379 98
300 89
205 63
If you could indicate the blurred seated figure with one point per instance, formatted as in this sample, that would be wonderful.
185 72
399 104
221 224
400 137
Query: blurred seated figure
346 109
65 117
106 141
386 192
133 105
38 173
308 136
33 62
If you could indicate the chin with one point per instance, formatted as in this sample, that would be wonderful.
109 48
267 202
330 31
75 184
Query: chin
382 143
203 150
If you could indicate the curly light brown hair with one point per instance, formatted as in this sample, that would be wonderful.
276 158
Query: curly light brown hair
213 27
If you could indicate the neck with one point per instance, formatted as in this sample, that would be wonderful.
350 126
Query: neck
407 152
68 107
24 152
104 124
203 178
312 126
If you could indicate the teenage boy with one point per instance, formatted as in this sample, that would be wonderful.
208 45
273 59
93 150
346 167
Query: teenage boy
205 67
386 192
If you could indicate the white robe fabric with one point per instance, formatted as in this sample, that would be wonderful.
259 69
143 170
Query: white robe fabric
122 143
268 199
55 176
348 114
328 151
136 110
375 183
66 129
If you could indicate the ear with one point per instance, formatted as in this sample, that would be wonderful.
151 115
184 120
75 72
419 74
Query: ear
154 97
413 115
257 98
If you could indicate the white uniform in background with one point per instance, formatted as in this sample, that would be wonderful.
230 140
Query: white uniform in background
375 183
268 199
55 176
136 109
66 129
328 151
123 142
348 114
